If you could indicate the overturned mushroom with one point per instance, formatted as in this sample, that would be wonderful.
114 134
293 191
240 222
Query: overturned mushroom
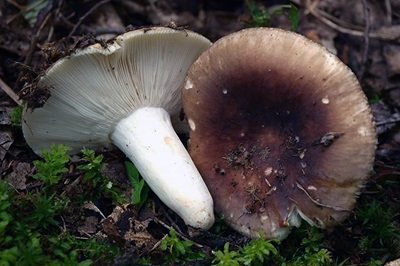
280 130
124 94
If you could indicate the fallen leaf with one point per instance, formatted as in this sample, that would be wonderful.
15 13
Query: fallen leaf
6 139
89 227
17 178
5 116
392 57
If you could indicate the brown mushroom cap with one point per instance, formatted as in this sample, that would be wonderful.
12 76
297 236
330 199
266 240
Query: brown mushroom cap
280 129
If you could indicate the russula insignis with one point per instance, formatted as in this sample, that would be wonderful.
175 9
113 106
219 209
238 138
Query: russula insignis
280 130
124 94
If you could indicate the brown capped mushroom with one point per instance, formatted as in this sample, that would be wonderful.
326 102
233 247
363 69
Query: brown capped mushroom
280 130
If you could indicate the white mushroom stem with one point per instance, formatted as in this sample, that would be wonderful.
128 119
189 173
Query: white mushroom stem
148 139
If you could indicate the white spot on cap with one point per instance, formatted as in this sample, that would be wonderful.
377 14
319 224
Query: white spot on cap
311 188
325 100
268 171
188 84
192 125
242 134
363 131
224 91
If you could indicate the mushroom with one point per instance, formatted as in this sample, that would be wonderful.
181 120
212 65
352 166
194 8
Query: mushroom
124 94
279 129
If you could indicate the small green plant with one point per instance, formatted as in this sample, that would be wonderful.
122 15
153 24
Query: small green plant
145 261
31 222
374 99
51 169
92 167
310 253
226 257
45 209
219 227
261 17
379 222
5 203
68 250
100 184
313 257
178 250
16 116
256 253
380 231
140 189
30 233
375 263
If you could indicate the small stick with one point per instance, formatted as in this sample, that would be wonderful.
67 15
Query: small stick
388 6
179 234
81 19
10 92
366 39
156 245
334 25
32 47
316 202
387 122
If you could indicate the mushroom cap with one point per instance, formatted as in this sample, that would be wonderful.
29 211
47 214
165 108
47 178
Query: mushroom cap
280 129
96 87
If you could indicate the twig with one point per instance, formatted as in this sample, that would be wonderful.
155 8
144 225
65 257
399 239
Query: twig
32 47
387 122
56 15
90 206
316 202
366 39
101 31
81 19
179 234
23 9
133 7
315 12
64 227
338 21
12 2
388 7
385 34
156 245
12 50
10 92
82 238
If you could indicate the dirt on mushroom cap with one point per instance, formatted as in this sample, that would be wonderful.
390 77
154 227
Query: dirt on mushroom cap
282 128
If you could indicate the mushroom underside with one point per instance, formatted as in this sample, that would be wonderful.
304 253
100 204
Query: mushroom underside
124 94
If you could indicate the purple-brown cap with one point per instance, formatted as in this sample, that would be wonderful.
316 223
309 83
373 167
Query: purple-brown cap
280 130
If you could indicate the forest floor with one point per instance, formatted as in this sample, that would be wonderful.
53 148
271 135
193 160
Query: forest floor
64 211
